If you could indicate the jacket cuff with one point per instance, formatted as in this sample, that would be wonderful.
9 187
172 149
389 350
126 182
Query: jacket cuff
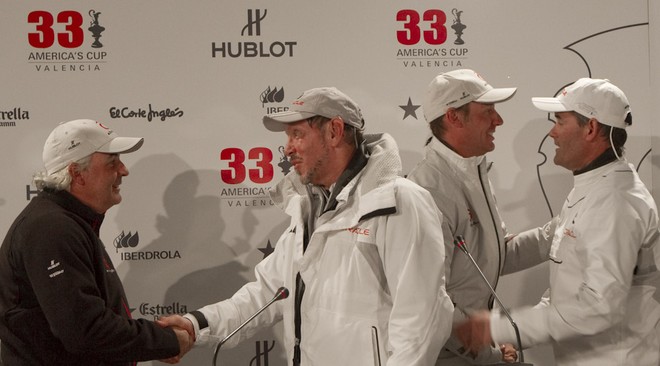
200 324
200 318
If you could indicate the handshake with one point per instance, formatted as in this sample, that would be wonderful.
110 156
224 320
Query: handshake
474 334
185 334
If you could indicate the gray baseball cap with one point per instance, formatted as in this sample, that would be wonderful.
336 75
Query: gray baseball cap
328 102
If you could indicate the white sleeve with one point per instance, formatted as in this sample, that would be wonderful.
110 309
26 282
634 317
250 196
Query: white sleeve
225 316
421 317
528 248
607 237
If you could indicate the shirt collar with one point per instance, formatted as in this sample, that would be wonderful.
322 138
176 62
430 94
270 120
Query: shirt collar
606 157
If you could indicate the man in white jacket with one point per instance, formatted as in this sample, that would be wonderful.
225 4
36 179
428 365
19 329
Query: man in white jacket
603 305
460 109
363 255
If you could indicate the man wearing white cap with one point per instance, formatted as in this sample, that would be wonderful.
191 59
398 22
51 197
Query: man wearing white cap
61 300
603 304
363 254
460 108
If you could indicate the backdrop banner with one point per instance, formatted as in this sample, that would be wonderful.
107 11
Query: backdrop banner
195 78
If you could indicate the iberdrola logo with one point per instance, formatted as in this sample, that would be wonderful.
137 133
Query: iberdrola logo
124 240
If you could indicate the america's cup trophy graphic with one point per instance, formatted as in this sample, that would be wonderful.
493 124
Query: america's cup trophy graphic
284 163
457 26
96 28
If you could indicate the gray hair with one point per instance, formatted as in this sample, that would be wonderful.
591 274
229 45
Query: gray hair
61 179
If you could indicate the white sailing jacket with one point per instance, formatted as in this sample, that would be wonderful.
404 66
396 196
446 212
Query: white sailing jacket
603 305
373 266
461 189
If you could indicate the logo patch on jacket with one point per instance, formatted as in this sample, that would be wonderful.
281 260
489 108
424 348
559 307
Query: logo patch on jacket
108 267
54 272
359 231
474 220
569 232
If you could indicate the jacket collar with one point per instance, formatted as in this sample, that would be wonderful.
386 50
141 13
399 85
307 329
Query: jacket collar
466 165
382 166
606 157
70 203
357 163
593 175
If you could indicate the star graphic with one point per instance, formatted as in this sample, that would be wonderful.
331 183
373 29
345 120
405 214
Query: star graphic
409 109
267 250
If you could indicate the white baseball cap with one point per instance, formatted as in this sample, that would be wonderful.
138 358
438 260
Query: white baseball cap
73 140
458 87
592 98
328 102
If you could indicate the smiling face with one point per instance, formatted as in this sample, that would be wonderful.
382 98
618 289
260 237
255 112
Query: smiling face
479 124
308 151
572 152
97 186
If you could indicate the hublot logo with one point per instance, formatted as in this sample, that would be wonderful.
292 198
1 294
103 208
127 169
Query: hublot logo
251 49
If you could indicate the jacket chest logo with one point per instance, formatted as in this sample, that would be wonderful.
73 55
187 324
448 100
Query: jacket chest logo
359 231
569 232
474 220
108 266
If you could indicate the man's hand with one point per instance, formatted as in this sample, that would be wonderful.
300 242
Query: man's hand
509 354
475 332
177 321
185 334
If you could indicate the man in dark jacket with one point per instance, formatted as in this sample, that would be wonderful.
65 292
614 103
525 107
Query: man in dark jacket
61 300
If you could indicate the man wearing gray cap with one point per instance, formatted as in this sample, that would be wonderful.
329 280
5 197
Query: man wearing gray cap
460 108
61 300
363 254
603 304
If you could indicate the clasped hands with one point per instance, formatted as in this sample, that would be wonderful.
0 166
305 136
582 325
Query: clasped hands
474 334
185 334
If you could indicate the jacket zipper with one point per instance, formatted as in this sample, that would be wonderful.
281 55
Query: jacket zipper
497 234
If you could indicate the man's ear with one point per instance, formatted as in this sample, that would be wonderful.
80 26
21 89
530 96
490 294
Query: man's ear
76 176
453 118
336 130
592 129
